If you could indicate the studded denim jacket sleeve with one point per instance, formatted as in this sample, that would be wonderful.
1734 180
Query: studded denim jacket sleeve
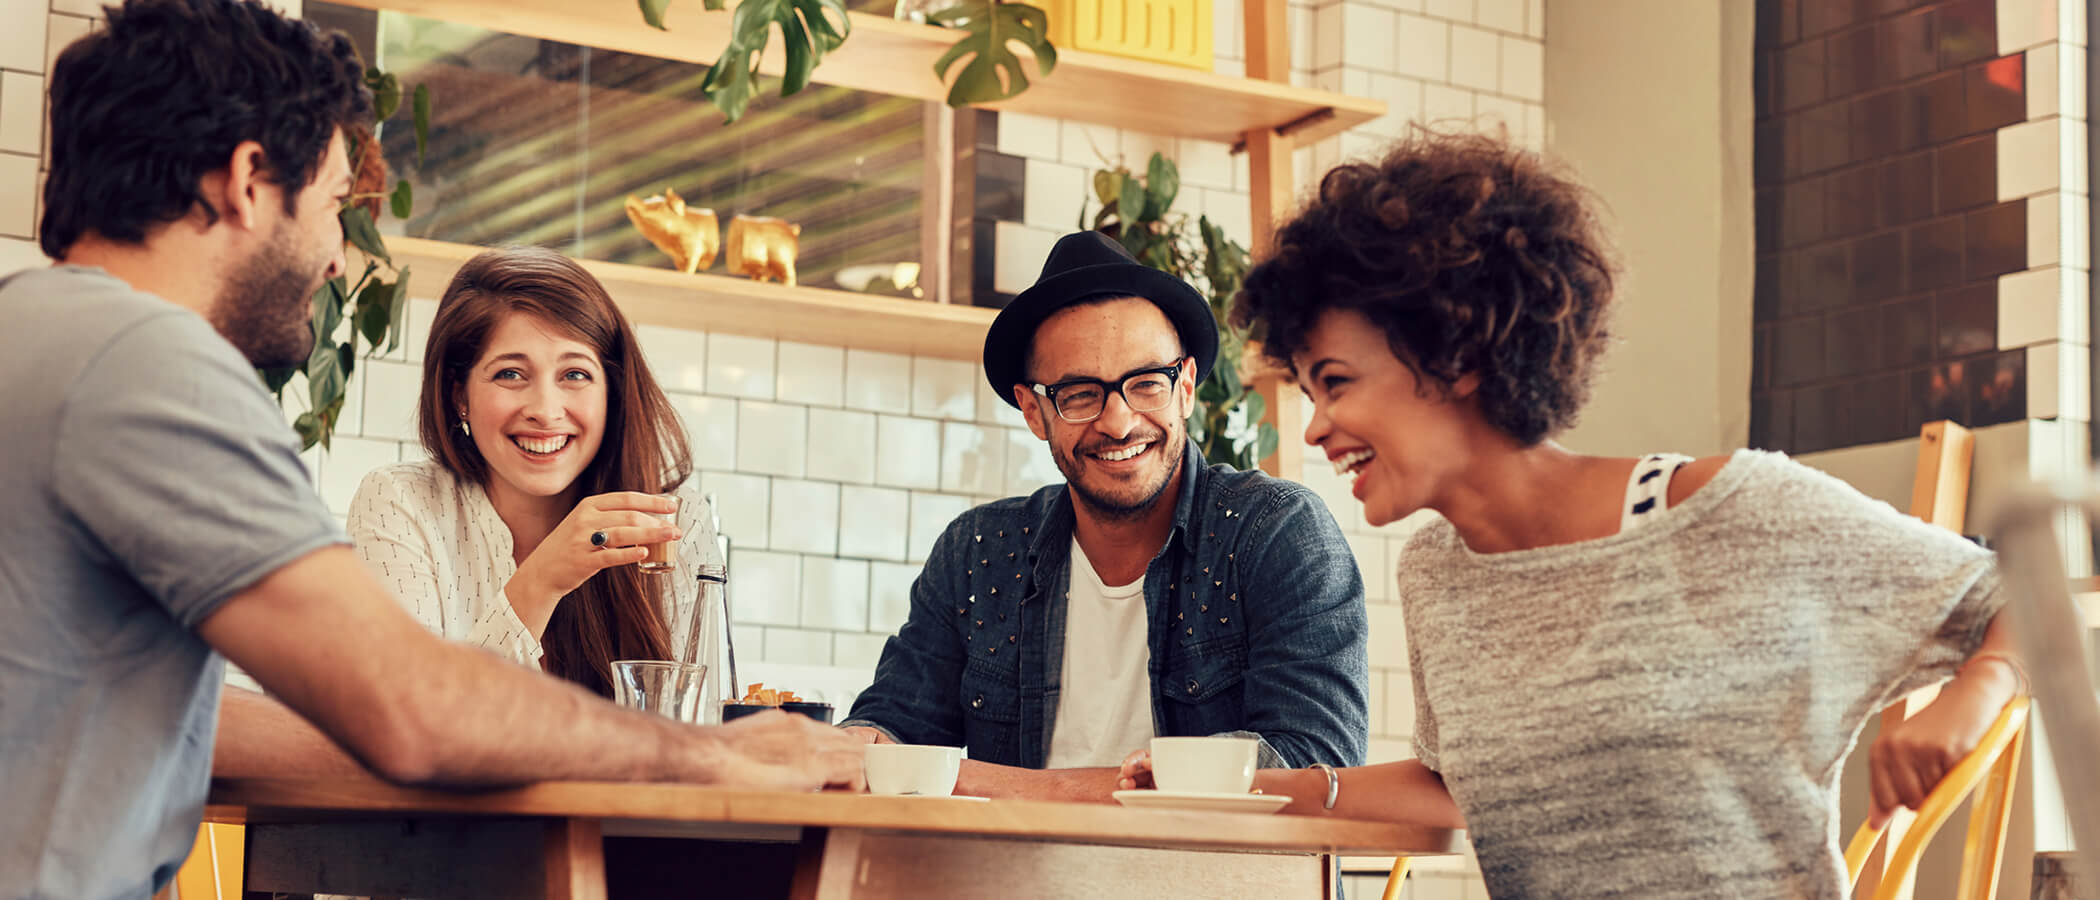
1255 613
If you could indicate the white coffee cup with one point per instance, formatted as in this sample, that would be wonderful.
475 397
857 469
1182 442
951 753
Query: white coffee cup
1204 765
921 769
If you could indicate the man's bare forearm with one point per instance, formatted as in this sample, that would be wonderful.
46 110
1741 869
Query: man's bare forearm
260 738
415 708
983 779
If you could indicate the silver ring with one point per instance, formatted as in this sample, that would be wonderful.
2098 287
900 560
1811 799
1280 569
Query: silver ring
597 538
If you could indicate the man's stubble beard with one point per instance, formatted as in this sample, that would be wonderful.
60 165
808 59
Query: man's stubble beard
1175 448
265 306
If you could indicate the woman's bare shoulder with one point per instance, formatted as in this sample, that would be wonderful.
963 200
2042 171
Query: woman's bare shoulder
1694 475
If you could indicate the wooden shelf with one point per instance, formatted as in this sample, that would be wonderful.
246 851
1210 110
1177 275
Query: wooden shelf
703 302
886 56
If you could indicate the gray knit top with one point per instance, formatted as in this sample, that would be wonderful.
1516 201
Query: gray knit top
1665 712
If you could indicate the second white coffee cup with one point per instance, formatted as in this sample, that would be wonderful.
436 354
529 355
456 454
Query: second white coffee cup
1204 765
920 769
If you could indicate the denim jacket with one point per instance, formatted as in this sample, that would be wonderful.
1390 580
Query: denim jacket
1256 626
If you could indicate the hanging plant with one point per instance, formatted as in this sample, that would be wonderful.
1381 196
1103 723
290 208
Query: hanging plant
811 28
1138 211
375 306
990 26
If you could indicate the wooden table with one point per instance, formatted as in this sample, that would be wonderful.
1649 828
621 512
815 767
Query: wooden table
576 840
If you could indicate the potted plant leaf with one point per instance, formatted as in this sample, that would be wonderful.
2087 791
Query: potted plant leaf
366 313
811 28
1137 210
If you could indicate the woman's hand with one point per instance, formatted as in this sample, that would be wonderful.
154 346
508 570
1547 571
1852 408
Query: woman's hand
567 558
1909 760
1137 771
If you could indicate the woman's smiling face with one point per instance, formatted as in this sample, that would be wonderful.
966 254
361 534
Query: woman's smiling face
536 401
1400 438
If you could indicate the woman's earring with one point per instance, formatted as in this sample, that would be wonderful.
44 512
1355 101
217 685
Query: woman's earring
463 429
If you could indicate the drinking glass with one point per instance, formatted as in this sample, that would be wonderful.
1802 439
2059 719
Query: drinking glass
667 688
662 557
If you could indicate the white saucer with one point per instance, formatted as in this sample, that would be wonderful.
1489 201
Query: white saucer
1240 803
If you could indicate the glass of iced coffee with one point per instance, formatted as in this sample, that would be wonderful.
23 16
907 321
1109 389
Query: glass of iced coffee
662 557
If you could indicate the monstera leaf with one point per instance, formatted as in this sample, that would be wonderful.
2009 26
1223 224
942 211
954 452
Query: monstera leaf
809 29
994 71
813 28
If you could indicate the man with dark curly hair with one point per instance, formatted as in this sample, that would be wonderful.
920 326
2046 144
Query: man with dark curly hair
1633 677
154 512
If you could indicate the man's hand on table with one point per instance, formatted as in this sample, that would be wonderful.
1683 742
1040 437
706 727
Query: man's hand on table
868 735
778 751
1136 773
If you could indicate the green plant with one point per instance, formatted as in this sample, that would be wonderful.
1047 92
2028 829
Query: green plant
1138 211
811 28
376 305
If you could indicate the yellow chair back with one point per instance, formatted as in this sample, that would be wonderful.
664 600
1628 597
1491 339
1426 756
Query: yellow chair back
1394 880
1988 772
213 871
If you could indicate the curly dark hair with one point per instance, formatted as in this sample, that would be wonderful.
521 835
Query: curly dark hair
1474 258
146 106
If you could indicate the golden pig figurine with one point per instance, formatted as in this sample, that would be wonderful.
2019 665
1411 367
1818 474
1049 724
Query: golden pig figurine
762 247
691 237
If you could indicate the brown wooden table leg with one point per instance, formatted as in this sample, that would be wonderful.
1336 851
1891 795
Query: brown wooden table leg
575 860
809 864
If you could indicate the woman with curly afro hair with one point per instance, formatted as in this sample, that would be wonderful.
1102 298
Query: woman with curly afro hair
1632 676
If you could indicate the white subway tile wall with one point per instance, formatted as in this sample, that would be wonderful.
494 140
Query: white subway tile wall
834 594
907 452
772 438
878 382
765 586
710 429
739 366
972 459
805 517
391 391
889 595
873 522
18 195
22 113
677 357
944 388
840 445
811 374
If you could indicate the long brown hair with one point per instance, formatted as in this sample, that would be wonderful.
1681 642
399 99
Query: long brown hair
617 613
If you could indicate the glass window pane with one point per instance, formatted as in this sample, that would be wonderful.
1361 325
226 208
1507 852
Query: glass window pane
540 142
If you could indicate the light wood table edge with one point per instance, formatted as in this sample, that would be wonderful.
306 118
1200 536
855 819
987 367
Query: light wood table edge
264 801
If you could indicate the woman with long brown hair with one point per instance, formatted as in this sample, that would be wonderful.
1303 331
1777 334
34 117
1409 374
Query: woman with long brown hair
551 452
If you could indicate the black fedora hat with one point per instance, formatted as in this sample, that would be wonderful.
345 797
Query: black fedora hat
1089 265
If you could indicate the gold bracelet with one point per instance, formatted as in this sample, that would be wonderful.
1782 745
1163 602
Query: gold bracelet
2019 671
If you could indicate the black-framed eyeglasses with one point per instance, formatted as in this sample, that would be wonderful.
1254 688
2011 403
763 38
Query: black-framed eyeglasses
1081 400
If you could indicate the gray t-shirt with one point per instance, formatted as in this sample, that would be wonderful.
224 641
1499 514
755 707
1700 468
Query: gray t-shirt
1666 712
148 478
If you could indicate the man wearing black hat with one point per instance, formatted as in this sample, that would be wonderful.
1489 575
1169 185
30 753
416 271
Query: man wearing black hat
1149 595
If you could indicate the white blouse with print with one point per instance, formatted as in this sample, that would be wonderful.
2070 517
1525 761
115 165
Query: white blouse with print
437 543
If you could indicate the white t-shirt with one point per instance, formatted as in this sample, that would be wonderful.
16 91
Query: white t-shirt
1104 709
437 543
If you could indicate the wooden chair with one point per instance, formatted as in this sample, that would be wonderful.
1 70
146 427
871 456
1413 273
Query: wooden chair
1394 881
215 866
1987 776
